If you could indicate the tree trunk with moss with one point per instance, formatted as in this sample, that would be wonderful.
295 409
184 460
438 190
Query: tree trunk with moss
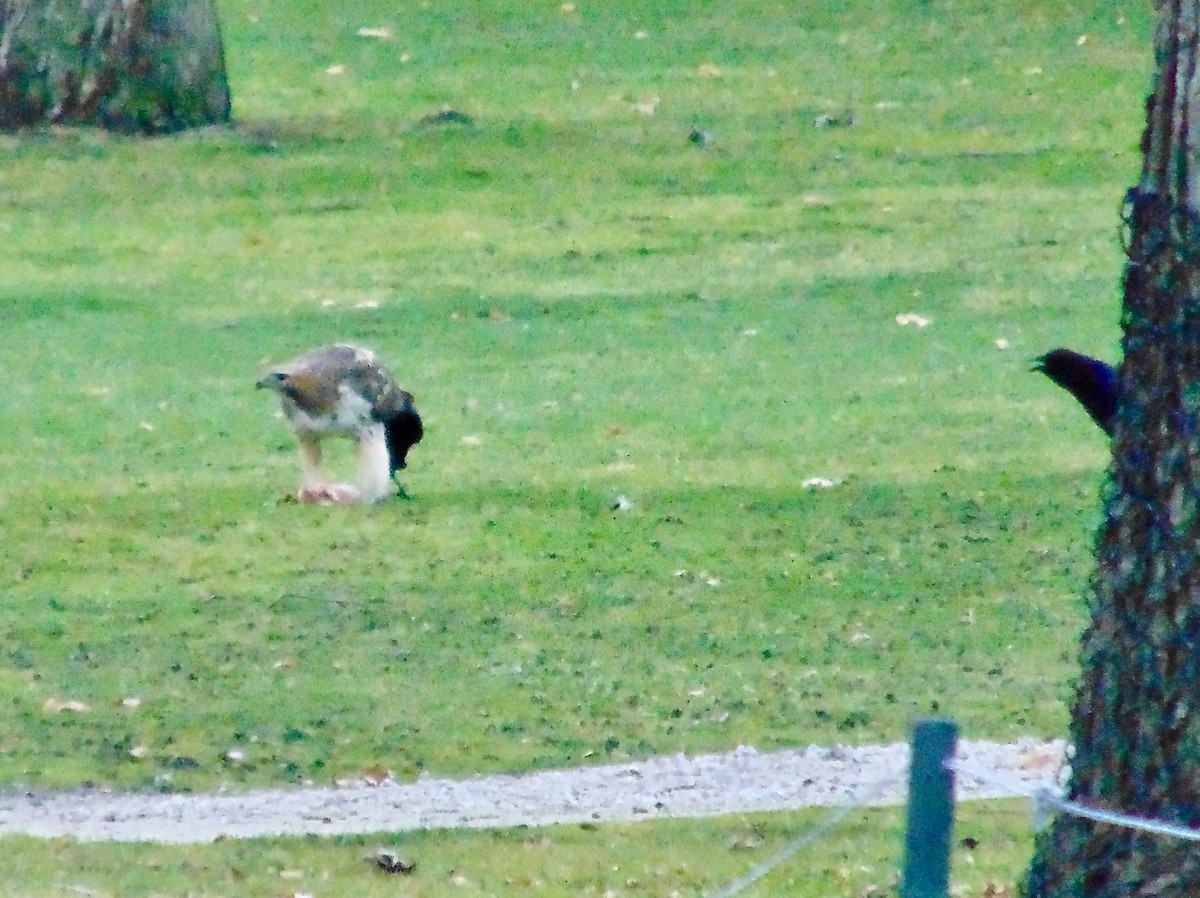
135 66
1136 717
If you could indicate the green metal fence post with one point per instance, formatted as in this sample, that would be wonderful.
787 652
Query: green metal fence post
930 811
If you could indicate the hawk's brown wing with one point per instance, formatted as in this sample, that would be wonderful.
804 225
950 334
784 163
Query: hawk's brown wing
320 381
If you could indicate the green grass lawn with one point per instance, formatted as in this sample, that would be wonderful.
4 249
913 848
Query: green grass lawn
588 305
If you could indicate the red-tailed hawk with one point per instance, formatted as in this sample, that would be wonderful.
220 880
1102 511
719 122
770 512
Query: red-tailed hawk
345 390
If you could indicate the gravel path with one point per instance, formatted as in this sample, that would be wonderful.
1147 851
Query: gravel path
675 786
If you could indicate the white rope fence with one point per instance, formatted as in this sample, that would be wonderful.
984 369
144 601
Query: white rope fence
1047 801
818 831
832 818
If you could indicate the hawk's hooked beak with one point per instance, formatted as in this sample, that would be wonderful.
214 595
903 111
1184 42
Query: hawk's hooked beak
273 381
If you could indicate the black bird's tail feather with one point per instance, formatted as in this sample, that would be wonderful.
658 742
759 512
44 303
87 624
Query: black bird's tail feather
403 431
1092 382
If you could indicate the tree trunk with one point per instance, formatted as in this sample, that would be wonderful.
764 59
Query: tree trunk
137 66
1136 718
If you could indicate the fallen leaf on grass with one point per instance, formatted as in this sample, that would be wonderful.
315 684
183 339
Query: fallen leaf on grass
389 861
843 119
906 318
646 107
445 116
819 483
376 774
747 841
708 70
54 705
381 33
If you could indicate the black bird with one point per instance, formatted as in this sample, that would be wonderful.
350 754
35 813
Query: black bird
1089 380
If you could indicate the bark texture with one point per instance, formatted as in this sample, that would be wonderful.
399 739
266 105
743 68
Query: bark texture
1136 716
135 66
